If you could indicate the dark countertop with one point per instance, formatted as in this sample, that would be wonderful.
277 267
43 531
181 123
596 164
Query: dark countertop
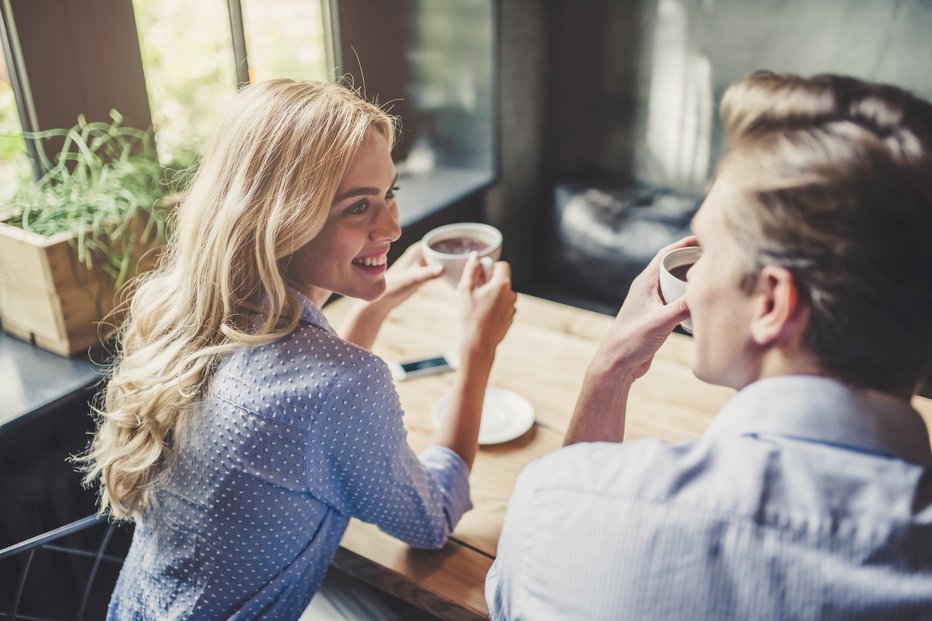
34 381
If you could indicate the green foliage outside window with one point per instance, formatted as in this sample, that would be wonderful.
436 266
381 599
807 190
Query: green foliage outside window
14 165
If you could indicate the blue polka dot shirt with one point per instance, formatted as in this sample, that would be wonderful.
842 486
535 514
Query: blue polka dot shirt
292 439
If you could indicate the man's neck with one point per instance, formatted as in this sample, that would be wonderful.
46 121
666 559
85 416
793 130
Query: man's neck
776 363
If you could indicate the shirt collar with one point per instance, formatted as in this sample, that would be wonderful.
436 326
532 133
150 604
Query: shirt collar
310 313
821 409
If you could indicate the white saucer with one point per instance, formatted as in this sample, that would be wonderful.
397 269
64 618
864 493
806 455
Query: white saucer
505 415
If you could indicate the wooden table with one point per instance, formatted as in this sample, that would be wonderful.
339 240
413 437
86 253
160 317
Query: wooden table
543 357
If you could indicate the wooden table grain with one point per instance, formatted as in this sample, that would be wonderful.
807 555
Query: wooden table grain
543 357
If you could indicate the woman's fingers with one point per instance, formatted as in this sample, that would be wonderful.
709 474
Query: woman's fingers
468 279
501 270
420 275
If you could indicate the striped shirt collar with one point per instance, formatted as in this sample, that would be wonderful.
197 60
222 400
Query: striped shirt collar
820 409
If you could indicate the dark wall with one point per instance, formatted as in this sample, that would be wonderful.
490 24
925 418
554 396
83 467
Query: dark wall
594 56
514 204
79 57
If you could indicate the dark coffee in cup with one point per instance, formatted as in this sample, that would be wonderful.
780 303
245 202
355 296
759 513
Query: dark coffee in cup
459 245
679 272
449 246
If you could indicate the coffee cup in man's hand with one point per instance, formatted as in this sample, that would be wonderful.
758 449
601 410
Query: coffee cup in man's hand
673 268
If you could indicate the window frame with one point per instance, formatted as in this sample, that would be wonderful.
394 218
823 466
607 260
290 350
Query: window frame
18 81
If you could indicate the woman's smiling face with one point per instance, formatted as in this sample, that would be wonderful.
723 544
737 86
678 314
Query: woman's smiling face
350 254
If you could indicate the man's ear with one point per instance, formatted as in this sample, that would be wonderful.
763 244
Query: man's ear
779 316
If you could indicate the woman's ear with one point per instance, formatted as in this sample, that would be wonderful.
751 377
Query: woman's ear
779 317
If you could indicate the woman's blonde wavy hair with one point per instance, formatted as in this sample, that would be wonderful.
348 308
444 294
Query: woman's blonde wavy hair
263 191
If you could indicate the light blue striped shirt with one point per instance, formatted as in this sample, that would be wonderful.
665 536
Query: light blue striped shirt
293 439
804 500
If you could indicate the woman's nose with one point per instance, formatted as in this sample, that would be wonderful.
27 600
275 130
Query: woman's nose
387 227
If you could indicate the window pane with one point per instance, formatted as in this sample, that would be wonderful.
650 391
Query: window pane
284 39
14 164
187 54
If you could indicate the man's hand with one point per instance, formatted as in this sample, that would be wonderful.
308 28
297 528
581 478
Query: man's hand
643 323
640 328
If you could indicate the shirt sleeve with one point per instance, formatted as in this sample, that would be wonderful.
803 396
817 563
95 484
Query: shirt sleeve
504 581
360 463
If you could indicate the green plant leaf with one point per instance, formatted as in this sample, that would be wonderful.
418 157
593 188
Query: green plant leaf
103 177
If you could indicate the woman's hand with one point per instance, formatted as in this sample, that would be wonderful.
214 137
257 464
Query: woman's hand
487 308
402 279
486 304
406 275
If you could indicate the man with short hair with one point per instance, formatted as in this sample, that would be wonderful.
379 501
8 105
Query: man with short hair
810 495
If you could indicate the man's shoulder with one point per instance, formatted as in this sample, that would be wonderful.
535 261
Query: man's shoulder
646 467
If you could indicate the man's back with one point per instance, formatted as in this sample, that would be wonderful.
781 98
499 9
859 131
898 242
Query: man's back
805 500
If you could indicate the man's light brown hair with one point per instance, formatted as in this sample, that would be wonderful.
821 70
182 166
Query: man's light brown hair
836 182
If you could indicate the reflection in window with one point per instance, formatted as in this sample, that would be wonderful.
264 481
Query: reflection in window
284 39
187 55
14 165
448 82
681 110
451 63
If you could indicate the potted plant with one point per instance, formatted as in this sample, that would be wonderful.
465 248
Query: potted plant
70 241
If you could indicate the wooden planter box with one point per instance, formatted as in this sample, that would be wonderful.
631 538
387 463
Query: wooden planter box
47 296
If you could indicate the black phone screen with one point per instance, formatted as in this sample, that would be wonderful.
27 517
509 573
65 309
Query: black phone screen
425 363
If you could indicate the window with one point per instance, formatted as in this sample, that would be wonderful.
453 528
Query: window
189 62
187 56
14 164
431 62
285 39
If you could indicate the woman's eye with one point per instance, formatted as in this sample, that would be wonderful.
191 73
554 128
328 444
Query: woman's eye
391 192
358 209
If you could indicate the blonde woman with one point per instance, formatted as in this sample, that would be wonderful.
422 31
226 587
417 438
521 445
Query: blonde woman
239 431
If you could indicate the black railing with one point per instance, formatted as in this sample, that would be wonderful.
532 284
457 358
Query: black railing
23 555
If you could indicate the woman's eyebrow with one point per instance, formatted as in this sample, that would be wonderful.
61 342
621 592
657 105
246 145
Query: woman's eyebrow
361 191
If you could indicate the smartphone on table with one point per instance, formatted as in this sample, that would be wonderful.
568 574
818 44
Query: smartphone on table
419 367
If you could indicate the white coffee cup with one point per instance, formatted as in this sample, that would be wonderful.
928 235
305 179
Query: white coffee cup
451 244
673 276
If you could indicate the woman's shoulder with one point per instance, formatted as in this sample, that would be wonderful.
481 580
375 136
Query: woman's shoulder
312 348
299 370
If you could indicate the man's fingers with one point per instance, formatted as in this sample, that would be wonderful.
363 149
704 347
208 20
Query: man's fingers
673 313
689 240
